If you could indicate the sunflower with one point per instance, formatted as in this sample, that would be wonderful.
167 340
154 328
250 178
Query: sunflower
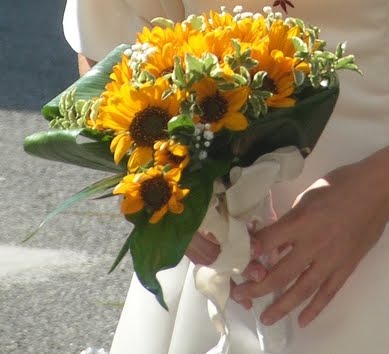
138 117
171 153
275 55
220 109
154 190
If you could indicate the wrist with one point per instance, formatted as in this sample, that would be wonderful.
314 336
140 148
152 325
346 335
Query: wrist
375 171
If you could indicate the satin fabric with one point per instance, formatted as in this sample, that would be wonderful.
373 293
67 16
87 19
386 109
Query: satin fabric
355 322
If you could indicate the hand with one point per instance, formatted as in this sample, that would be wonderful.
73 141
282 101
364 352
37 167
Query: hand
204 249
329 230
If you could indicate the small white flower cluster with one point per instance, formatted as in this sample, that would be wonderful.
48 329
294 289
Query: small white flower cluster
204 137
139 54
271 16
239 15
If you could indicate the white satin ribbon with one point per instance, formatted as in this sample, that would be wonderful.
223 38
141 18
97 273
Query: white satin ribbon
230 209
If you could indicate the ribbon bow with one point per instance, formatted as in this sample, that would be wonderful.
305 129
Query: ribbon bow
248 198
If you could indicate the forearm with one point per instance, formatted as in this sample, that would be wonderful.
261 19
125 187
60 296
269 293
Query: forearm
376 168
367 183
84 64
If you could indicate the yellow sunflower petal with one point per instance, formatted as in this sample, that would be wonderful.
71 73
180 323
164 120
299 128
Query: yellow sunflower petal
158 215
131 205
174 175
175 206
236 98
280 102
139 157
205 88
235 121
119 146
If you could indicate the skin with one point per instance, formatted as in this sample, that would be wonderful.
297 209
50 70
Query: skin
328 231
84 64
331 227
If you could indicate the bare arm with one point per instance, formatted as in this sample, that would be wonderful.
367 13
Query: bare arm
84 64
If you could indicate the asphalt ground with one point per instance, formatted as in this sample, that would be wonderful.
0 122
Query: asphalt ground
55 293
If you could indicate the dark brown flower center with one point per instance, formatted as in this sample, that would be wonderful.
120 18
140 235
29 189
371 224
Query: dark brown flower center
155 193
149 125
167 71
269 85
175 159
213 108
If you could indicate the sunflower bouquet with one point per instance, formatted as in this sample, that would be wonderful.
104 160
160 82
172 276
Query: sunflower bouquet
181 108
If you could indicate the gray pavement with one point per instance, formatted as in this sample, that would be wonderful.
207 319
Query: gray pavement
55 294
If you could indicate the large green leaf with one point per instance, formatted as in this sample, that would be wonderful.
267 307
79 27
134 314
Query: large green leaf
63 146
91 85
160 246
300 125
88 192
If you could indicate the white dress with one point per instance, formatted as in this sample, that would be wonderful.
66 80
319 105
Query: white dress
355 322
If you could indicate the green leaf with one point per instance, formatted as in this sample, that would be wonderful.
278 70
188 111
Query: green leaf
197 22
300 125
299 77
299 44
180 123
258 79
178 73
193 64
162 22
88 192
91 85
62 146
341 49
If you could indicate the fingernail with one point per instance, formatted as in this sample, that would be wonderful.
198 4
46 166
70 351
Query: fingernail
256 275
237 296
246 304
267 320
303 322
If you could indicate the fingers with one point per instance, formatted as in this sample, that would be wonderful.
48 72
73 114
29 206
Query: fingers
246 303
322 298
331 286
202 251
303 288
280 275
255 271
276 235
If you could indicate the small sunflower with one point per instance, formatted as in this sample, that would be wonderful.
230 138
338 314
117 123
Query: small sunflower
275 55
171 153
138 118
154 190
221 109
279 79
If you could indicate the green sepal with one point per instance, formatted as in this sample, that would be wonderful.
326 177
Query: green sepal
181 124
67 146
87 193
300 126
92 84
